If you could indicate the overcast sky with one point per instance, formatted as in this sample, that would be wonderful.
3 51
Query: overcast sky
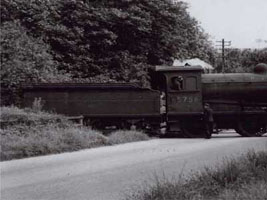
244 22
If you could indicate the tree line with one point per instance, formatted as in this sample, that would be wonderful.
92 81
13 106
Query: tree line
241 60
94 40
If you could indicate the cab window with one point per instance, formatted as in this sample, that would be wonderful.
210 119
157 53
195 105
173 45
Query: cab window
177 83
191 83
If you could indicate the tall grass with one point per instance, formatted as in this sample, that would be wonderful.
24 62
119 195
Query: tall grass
14 116
243 178
31 132
122 136
27 132
21 141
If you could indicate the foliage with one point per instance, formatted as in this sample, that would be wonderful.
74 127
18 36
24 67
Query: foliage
243 178
252 191
119 137
113 39
30 132
22 141
14 115
24 59
242 60
37 105
25 133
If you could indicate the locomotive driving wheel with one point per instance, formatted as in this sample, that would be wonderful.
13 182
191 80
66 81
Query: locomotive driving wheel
193 129
189 132
248 127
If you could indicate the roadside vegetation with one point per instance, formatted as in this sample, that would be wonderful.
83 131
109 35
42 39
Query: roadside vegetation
122 136
31 132
235 179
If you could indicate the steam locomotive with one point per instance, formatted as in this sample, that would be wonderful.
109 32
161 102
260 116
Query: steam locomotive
174 105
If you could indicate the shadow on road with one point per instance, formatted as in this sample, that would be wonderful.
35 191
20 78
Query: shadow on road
220 135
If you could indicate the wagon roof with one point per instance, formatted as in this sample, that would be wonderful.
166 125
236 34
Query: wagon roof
132 86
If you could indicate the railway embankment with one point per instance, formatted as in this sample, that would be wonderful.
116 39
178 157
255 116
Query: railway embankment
30 132
236 178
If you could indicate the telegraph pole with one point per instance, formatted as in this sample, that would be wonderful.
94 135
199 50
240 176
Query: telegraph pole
223 44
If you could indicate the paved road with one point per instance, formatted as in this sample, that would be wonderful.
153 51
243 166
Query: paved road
109 172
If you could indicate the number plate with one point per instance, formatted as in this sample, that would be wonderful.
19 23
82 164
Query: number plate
184 99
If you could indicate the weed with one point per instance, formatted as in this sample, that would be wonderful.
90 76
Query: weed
119 137
25 133
27 141
37 105
31 132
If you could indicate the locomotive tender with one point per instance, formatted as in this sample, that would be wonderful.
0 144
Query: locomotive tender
238 101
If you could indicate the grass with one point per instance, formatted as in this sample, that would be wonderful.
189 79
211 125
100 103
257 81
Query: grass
13 115
256 190
244 178
31 132
21 142
120 136
27 133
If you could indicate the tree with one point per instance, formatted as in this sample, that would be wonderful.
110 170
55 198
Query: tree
113 39
242 60
24 59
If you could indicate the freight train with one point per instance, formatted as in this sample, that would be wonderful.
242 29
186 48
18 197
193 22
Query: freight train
174 105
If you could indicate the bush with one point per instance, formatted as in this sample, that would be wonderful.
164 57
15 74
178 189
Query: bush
119 137
26 141
25 133
13 116
31 132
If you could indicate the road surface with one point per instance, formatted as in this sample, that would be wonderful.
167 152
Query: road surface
108 173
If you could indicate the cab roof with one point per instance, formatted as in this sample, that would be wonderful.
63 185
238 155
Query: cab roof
165 68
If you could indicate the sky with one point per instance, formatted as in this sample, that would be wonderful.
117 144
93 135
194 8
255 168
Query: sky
243 22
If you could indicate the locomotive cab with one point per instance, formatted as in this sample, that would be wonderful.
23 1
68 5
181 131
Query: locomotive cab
182 88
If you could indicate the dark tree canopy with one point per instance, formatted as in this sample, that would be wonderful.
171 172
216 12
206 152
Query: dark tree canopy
24 59
111 39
